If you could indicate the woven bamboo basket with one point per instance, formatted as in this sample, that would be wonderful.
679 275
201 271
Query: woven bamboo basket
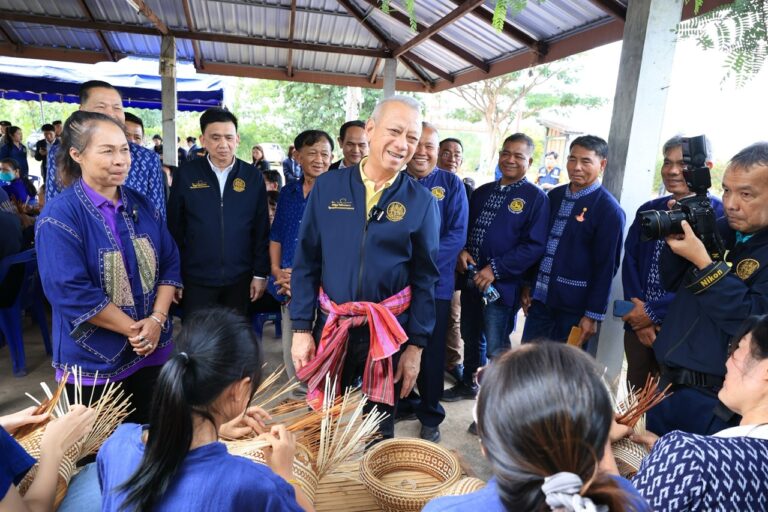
67 468
629 455
466 485
303 471
384 471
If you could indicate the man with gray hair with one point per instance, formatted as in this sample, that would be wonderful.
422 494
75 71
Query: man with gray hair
367 254
712 301
640 270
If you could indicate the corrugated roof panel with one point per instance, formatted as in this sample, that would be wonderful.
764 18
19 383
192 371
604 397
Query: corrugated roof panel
245 55
39 35
440 57
134 44
545 20
172 12
116 11
332 63
64 8
322 5
479 37
335 30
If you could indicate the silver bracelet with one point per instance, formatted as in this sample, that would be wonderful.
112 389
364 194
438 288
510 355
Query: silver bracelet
153 317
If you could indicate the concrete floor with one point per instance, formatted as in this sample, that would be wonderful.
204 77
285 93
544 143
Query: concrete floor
453 430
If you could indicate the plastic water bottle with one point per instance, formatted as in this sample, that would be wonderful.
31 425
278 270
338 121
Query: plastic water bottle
491 294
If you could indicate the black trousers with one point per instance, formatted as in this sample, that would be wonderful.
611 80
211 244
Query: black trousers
426 404
235 296
352 375
140 385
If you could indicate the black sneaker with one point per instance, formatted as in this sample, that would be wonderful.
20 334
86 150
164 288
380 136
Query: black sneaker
431 434
460 392
472 428
457 372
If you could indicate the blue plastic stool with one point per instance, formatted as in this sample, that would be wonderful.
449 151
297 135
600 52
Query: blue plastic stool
30 298
259 319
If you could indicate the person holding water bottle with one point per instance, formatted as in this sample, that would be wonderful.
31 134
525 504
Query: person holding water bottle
507 235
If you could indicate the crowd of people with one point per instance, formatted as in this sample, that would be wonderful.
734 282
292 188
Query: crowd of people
390 273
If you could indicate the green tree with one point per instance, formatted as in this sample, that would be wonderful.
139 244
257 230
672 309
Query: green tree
499 102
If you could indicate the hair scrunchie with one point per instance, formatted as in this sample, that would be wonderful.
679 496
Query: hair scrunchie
562 492
184 357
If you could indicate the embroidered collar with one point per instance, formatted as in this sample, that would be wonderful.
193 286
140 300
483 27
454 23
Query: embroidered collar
583 192
422 178
741 238
511 186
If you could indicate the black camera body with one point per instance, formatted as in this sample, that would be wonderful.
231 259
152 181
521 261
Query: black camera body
697 209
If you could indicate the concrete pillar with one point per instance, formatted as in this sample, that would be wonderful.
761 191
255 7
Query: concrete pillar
168 93
638 112
390 77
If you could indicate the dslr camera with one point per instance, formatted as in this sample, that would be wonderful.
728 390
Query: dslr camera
696 209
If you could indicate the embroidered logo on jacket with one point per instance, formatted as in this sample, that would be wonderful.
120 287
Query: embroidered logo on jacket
580 217
746 268
438 192
238 185
341 204
395 211
199 184
517 205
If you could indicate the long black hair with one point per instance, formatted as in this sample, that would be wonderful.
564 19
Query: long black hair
543 409
216 348
757 326
76 133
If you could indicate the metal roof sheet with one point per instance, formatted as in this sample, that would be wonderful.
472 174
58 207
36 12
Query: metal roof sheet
333 40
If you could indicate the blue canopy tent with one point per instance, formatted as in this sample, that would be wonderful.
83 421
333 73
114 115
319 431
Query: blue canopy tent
61 84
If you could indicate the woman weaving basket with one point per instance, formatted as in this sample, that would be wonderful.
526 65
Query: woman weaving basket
725 471
178 463
108 264
15 462
543 418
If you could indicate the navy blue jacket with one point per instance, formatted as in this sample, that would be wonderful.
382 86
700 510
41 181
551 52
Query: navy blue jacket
638 257
698 328
221 240
451 198
588 254
517 237
355 263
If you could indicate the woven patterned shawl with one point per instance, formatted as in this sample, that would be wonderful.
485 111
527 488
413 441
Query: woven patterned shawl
386 337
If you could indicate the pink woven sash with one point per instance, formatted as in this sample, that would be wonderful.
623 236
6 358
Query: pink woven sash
386 337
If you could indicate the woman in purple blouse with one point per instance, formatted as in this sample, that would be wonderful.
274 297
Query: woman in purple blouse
108 265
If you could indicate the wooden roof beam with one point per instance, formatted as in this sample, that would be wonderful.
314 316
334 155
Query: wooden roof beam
291 29
9 38
464 7
375 71
420 76
612 7
198 54
88 14
431 67
463 54
77 23
142 8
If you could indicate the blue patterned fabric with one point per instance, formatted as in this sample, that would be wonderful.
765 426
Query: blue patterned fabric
693 472
496 200
563 214
145 176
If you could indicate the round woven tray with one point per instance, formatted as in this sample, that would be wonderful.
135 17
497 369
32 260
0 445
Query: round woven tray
67 468
466 485
629 455
412 455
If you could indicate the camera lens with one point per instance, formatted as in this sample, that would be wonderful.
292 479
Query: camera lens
654 224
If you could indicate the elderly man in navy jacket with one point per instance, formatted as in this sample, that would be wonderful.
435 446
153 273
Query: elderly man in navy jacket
507 234
367 253
217 212
451 198
573 281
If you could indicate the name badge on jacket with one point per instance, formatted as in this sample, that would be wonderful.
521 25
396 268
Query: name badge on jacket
199 184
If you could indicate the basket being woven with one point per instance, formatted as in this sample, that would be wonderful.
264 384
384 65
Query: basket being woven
629 455
67 468
392 456
303 471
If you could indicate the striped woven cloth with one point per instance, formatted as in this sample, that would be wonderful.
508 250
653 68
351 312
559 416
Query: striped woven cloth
386 337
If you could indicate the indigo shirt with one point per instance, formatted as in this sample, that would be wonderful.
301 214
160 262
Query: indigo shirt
14 462
17 153
209 478
83 270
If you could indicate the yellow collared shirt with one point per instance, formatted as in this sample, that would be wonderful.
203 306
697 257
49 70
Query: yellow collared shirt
371 194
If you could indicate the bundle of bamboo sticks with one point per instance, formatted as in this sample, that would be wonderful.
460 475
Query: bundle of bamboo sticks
631 409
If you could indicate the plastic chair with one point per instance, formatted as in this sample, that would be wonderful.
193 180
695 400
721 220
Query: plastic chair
30 297
259 319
